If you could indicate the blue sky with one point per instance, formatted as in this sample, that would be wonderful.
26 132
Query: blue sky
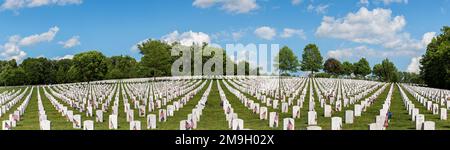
345 29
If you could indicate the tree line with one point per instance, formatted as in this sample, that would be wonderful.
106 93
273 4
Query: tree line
157 61
95 66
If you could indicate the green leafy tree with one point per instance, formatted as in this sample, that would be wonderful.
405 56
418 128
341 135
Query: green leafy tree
311 59
347 68
435 69
90 66
62 68
362 68
38 71
12 76
333 66
120 67
156 60
286 61
386 71
408 77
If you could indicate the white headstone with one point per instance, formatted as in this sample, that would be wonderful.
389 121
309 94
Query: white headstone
327 111
288 124
415 112
420 119
336 123
443 114
162 115
275 104
284 107
296 112
142 111
349 117
238 124
374 126
428 125
357 110
130 115
312 118
6 125
435 109
113 124
77 121
135 125
69 115
263 113
88 125
45 125
99 116
170 110
273 120
184 125
151 121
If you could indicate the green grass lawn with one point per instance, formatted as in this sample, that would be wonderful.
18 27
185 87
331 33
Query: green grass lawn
213 117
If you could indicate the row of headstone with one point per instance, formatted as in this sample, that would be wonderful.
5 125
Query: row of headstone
65 112
435 108
44 123
366 103
15 117
382 119
193 118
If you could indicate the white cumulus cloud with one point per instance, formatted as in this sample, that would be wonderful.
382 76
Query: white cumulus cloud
38 38
265 32
12 49
63 57
288 32
319 9
187 38
18 4
296 2
377 27
414 66
72 42
231 6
